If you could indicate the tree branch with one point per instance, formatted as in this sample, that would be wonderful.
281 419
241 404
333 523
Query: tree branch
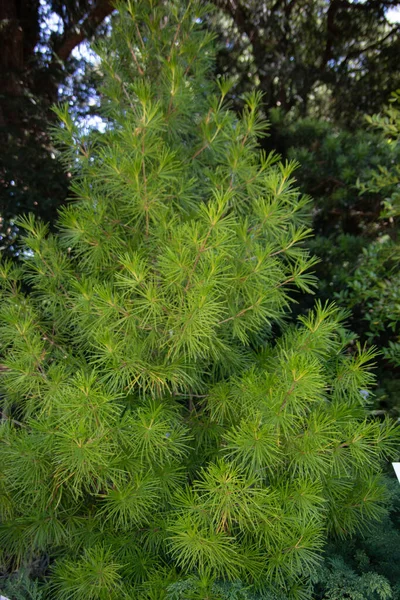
373 46
331 29
80 32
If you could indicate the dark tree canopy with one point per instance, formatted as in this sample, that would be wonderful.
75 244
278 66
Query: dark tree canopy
334 58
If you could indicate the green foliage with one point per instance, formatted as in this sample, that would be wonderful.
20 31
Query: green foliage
21 587
386 178
196 589
355 219
334 164
332 60
375 285
343 582
153 432
376 281
367 566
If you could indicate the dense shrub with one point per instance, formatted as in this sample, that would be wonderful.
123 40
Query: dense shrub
354 179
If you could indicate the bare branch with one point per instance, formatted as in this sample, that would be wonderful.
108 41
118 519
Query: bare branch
80 32
374 46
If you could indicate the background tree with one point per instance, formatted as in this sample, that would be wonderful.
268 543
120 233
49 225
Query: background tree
336 59
36 68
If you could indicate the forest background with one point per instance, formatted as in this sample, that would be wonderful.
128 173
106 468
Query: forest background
326 71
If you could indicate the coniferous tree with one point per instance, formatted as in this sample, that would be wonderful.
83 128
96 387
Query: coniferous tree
152 431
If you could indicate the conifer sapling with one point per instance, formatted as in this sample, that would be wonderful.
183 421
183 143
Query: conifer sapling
152 430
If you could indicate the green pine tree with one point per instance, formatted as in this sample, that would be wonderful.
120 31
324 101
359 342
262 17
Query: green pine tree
153 433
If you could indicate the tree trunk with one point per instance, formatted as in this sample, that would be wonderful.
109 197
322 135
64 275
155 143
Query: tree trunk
19 34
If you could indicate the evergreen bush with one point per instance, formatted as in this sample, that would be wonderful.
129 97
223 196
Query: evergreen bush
375 283
154 431
354 179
